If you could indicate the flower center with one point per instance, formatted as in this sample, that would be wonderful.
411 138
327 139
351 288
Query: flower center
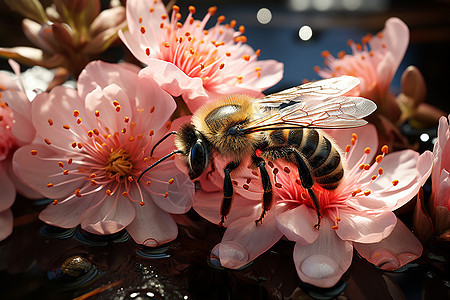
119 164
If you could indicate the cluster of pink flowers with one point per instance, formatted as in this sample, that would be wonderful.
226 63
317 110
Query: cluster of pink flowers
85 148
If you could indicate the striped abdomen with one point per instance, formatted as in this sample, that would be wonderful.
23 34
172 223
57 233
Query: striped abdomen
319 153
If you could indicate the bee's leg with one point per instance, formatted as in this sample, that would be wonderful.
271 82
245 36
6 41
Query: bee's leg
227 191
267 186
307 182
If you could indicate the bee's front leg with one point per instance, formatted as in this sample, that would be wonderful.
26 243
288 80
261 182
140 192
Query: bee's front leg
227 191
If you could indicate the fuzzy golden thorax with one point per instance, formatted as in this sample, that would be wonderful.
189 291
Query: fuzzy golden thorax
214 119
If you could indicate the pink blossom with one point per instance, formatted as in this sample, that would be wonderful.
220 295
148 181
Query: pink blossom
95 141
439 204
357 214
188 60
374 62
15 130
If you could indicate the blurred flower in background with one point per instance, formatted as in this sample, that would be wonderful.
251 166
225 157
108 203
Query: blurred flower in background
93 144
188 60
68 34
432 217
375 61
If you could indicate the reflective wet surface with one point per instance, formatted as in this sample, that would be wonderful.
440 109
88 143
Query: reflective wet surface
39 261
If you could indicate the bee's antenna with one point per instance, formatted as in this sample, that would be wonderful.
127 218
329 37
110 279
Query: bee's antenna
161 140
159 161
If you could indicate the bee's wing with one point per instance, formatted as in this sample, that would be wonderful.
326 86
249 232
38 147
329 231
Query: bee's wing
317 90
318 104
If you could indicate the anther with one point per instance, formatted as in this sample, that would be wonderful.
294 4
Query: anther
130 178
335 227
258 52
287 170
367 150
74 144
278 185
76 113
60 164
47 141
366 167
171 180
69 161
168 124
125 193
275 171
374 177
212 10
341 54
33 152
97 113
347 148
108 192
77 193
270 164
142 203
80 145
385 149
66 127
192 9
166 194
246 57
379 158
246 186
380 171
151 133
353 141
55 202
395 182
221 66
221 19
140 20
325 53
142 29
147 51
118 108
148 183
50 122
79 121
367 193
49 185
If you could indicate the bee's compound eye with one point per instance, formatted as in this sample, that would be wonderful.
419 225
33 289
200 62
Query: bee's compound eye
198 160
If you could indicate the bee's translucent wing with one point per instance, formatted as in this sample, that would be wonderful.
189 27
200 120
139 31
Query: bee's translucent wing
317 90
318 104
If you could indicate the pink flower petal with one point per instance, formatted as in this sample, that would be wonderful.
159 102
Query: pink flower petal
37 171
323 262
102 101
58 106
295 223
109 214
152 226
365 228
67 214
208 206
6 224
423 224
98 73
248 240
7 187
23 129
180 193
176 82
398 249
149 94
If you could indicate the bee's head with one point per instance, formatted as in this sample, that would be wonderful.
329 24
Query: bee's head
195 147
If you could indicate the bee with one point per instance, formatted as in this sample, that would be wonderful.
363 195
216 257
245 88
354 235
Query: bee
281 126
